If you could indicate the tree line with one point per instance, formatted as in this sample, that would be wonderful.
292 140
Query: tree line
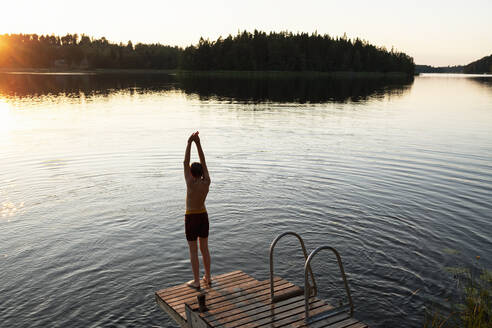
439 69
257 51
483 65
286 51
74 51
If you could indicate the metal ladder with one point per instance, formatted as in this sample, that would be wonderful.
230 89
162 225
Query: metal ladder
307 289
310 291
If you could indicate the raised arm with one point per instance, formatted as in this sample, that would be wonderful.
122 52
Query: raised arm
186 162
206 176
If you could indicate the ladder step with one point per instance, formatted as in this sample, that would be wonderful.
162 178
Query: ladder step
282 297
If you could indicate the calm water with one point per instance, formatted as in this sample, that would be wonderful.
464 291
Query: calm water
397 176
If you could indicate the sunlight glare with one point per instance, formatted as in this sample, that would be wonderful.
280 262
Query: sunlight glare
6 119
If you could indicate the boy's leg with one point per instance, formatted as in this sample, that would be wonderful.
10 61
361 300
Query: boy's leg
194 263
205 257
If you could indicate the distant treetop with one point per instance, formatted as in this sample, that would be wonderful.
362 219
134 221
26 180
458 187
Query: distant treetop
285 51
481 66
82 52
257 51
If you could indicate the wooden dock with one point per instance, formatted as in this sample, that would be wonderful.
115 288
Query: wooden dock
236 299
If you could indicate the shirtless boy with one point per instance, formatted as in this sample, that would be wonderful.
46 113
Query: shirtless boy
196 217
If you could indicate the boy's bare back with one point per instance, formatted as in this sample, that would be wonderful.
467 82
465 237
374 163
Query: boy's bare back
196 193
197 178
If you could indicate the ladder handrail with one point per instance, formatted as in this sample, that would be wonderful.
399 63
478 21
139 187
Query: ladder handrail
307 268
306 284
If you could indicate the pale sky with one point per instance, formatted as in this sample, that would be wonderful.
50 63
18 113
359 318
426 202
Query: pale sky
438 33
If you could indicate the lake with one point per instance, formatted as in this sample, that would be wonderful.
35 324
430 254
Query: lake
397 175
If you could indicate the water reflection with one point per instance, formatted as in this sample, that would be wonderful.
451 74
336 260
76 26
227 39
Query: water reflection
305 89
73 85
311 89
9 209
485 81
399 186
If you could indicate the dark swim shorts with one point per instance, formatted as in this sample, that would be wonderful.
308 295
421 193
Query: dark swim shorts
196 225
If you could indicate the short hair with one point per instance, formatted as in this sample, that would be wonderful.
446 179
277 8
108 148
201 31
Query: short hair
196 169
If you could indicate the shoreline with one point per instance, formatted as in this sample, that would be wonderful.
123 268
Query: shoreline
84 71
214 73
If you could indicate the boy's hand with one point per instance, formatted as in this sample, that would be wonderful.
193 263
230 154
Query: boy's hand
191 138
194 137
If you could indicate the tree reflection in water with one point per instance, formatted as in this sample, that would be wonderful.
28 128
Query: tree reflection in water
241 88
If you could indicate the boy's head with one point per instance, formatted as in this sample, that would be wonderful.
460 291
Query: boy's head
196 170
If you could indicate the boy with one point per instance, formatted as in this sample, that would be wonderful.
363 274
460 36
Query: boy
196 217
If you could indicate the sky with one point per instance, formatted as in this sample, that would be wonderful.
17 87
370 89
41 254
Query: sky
437 33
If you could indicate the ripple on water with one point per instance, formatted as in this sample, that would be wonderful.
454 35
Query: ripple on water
99 200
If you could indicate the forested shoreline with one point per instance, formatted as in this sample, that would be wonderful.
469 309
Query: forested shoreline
439 69
481 66
82 52
257 51
293 52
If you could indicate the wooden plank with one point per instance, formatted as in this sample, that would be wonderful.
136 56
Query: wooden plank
270 318
261 311
252 300
322 322
223 275
194 320
216 298
245 292
289 317
349 323
240 298
191 292
235 308
341 324
184 289
217 285
236 300
179 314
172 313
191 298
236 312
242 292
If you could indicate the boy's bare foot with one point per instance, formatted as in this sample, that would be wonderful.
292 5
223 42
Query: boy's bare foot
193 284
207 281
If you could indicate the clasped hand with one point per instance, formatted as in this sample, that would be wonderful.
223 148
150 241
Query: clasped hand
194 137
